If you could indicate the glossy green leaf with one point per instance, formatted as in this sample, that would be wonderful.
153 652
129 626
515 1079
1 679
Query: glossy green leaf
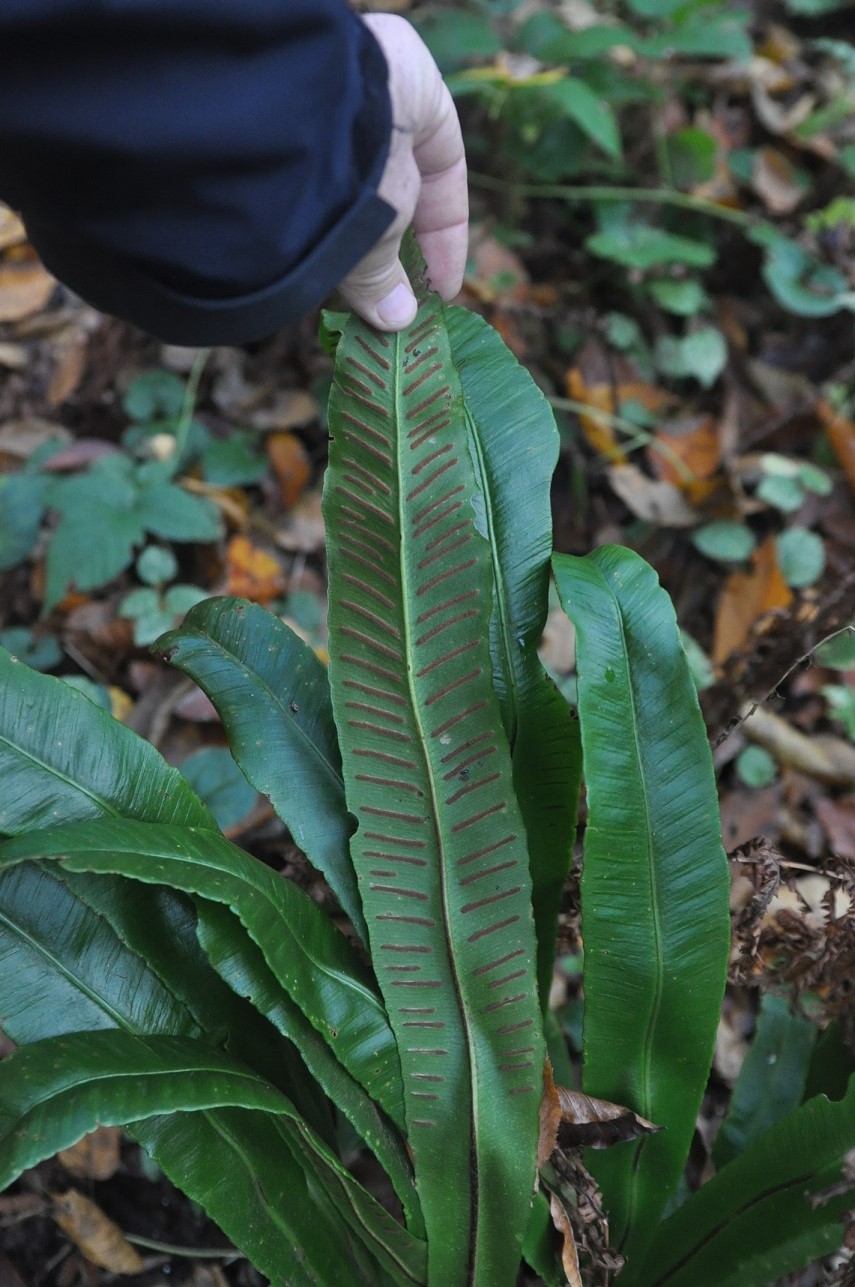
655 881
592 113
514 448
160 926
63 757
242 965
54 1092
440 848
272 695
762 1216
216 779
284 1204
64 969
309 957
772 1078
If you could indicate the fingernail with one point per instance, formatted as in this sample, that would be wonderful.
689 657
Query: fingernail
398 308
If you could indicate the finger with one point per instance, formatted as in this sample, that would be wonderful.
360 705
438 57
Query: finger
441 218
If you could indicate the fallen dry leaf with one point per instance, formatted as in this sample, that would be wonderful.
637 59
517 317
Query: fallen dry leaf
597 1123
101 1241
96 1156
655 501
605 398
251 572
821 756
841 434
747 597
291 465
550 1117
569 1254
25 288
687 453
777 181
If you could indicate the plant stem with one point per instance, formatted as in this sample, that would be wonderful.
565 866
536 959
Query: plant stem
608 192
182 429
195 1253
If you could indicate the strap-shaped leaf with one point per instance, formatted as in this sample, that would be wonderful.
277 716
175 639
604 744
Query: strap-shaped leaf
440 849
63 968
772 1078
514 446
285 1208
654 880
243 966
53 1092
777 1206
311 960
272 695
62 756
159 925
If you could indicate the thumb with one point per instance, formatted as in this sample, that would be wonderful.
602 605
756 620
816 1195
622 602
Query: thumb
380 292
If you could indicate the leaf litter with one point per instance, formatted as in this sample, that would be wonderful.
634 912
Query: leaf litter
686 361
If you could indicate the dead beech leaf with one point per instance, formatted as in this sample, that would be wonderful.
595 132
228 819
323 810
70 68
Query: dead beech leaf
251 572
94 1234
841 435
569 1254
821 756
687 453
776 180
96 1156
25 288
291 465
607 399
597 1123
550 1117
651 499
783 116
747 597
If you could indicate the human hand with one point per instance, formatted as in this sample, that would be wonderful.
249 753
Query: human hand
424 181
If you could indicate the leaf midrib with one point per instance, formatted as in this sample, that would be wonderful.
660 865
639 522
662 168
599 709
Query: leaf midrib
102 804
655 922
409 635
502 612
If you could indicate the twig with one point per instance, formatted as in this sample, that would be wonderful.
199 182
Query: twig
608 192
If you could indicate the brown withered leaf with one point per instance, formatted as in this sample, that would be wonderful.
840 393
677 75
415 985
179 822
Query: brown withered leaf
597 1123
569 1252
550 1117
577 1211
569 1119
95 1234
291 465
747 598
96 1156
252 573
651 499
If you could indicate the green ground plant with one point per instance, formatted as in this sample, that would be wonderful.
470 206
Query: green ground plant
155 975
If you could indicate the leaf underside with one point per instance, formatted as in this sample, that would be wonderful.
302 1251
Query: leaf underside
513 444
440 849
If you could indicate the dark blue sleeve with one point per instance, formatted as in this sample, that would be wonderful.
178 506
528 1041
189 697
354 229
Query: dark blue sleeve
204 168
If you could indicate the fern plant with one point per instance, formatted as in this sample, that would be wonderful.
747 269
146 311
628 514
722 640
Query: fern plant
155 975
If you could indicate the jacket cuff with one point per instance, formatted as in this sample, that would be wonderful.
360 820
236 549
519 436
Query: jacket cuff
120 286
